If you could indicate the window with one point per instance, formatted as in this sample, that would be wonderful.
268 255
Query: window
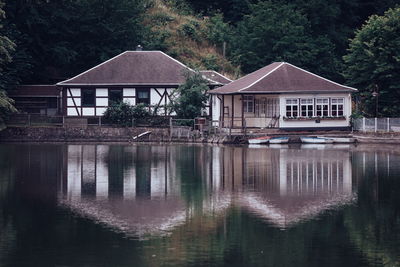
307 107
115 95
292 108
248 103
88 97
337 107
143 96
322 107
272 107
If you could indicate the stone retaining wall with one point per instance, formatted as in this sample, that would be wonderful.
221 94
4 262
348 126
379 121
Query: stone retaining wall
78 134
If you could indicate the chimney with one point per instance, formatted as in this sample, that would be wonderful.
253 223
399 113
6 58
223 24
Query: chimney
139 48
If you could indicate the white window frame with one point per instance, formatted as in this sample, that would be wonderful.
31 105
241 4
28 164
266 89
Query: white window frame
321 102
307 103
291 102
337 101
248 103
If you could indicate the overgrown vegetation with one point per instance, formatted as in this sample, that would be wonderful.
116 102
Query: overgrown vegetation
56 39
188 38
124 114
190 98
373 63
7 47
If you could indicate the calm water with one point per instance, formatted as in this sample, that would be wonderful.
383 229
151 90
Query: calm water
182 205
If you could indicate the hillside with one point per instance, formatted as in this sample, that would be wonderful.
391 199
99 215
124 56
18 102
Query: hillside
185 37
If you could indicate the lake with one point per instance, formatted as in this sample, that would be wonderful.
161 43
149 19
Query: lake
196 205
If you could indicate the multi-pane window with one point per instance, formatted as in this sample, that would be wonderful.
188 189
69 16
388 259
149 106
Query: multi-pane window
115 95
88 97
143 96
337 107
307 107
292 106
272 107
322 107
248 103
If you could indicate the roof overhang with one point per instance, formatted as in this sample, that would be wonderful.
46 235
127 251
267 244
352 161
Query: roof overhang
281 92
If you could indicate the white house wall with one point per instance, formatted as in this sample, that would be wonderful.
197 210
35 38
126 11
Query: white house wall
262 122
216 107
75 108
129 95
312 123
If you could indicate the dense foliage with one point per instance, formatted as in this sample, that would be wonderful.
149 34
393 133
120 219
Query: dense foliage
56 39
373 63
281 33
63 37
190 98
124 114
6 49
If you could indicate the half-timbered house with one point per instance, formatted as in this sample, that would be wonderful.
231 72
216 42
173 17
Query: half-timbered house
148 77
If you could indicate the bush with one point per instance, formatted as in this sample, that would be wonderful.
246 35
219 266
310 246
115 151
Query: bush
190 98
122 113
210 62
160 18
190 30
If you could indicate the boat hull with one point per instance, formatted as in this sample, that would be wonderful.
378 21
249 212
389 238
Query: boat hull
279 140
316 140
342 140
258 141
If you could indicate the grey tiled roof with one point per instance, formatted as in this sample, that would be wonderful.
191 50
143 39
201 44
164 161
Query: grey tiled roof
281 77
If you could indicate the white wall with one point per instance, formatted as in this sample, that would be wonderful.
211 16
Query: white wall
75 108
312 123
216 107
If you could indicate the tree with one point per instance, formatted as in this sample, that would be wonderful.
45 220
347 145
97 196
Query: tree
190 98
281 33
64 37
6 49
373 63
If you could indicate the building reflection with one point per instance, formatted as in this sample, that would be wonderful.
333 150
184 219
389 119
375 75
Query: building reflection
103 171
145 189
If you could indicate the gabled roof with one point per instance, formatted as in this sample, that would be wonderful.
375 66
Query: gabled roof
134 68
215 76
281 77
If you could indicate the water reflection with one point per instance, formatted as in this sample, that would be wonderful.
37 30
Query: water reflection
141 190
75 205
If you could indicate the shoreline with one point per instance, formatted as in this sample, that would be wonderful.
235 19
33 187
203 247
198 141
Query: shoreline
162 135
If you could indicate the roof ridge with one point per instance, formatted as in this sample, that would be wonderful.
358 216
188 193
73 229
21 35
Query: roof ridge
218 74
316 75
98 65
186 66
281 63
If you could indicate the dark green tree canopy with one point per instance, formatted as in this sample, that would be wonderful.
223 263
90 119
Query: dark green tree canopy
190 98
6 49
281 33
65 37
373 63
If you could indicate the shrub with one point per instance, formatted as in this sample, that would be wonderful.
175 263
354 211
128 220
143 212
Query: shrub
162 18
122 113
210 62
190 98
190 30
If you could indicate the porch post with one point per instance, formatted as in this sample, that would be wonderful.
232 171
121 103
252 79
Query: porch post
233 110
223 111
241 102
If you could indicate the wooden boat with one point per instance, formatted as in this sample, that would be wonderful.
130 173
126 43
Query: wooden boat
342 140
315 140
260 140
279 140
